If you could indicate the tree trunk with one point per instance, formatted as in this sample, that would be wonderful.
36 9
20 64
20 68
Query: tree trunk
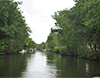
95 47
91 46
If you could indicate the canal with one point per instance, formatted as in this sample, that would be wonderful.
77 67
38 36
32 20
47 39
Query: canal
47 65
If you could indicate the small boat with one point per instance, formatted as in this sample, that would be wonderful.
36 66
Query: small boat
23 51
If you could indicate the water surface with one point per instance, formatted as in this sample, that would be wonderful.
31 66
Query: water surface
47 65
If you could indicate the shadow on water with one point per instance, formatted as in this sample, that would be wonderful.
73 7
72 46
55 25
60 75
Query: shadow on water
68 66
12 65
47 65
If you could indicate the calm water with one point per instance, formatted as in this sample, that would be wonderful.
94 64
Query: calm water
47 65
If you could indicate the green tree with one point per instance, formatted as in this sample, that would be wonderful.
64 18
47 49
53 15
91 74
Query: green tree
13 29
78 29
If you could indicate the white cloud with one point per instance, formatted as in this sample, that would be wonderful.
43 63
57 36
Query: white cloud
38 15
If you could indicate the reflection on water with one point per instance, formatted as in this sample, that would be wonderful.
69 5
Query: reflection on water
47 65
37 67
12 65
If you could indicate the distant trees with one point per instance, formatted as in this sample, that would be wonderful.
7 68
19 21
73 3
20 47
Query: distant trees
78 30
29 43
53 41
13 29
41 46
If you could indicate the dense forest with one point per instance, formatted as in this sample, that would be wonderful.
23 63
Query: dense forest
77 30
14 32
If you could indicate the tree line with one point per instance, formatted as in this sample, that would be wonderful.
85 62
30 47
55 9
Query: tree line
77 31
14 32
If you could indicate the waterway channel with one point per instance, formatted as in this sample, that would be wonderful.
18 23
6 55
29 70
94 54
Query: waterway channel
47 65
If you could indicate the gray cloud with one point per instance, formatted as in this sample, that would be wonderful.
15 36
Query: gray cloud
38 15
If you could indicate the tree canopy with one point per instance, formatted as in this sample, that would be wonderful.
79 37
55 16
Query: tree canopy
78 29
13 29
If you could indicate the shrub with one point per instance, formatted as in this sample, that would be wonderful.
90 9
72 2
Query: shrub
57 49
94 55
81 51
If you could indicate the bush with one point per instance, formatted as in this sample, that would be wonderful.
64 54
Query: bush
81 51
57 49
94 55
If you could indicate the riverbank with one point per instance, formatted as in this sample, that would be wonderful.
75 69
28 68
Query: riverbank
88 57
4 53
23 52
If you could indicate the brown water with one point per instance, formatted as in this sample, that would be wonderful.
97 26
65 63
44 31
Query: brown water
47 65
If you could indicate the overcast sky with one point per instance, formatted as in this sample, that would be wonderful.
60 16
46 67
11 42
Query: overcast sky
38 16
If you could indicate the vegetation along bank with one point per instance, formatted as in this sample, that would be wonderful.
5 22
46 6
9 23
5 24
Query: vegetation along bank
14 32
77 30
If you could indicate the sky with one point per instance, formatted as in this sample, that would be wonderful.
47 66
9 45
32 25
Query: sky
38 16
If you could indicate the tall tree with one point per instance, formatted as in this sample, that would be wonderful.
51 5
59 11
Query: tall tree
13 29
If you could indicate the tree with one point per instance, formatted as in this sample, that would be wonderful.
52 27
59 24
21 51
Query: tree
13 29
78 29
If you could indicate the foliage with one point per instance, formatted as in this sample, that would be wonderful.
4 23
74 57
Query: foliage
78 29
53 42
81 51
29 43
13 29
57 49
